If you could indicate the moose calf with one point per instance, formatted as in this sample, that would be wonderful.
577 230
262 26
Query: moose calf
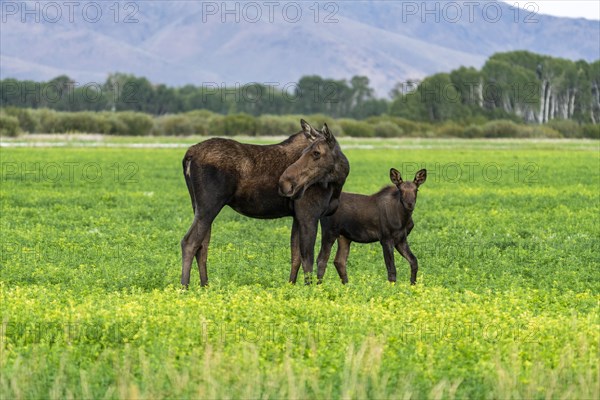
385 217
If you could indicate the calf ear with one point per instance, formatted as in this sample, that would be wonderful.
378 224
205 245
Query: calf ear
309 131
328 135
395 177
420 177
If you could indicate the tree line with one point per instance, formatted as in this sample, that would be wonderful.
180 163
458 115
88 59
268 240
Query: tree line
123 92
519 86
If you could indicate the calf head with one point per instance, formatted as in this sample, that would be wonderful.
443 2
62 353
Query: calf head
316 164
408 190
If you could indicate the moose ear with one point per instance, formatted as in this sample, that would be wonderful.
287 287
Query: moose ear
420 177
395 177
327 133
308 130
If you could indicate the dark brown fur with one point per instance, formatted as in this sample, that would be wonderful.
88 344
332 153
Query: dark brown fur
220 172
384 217
322 168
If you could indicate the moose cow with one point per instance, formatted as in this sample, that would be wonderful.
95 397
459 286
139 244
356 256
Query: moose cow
300 177
384 217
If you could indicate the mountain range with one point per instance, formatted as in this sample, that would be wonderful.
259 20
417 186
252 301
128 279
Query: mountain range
193 42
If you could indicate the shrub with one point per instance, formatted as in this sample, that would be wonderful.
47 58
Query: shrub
83 122
48 120
450 129
567 128
387 129
474 120
500 129
316 120
9 125
27 119
231 125
113 125
216 125
409 128
591 131
277 125
473 131
103 122
173 125
200 120
354 128
59 123
136 124
539 131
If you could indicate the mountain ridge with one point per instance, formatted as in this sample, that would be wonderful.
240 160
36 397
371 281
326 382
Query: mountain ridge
180 43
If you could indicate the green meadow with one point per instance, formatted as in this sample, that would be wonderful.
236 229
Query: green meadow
506 304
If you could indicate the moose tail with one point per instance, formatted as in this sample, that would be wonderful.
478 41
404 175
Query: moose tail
187 174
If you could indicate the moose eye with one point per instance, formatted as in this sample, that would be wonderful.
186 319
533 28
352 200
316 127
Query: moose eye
316 154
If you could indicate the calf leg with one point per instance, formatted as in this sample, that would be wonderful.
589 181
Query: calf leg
403 249
341 258
388 256
295 246
409 226
327 240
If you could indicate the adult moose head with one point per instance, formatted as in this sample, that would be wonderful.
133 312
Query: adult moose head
317 163
323 169
220 172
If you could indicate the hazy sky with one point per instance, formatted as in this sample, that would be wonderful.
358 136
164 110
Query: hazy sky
589 9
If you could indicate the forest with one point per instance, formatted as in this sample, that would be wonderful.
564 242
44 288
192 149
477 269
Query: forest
519 87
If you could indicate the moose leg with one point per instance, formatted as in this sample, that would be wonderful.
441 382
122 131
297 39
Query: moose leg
327 241
201 256
295 246
341 258
403 249
308 236
196 241
388 256
190 245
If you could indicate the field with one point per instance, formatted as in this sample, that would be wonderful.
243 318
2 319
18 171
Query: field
506 304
